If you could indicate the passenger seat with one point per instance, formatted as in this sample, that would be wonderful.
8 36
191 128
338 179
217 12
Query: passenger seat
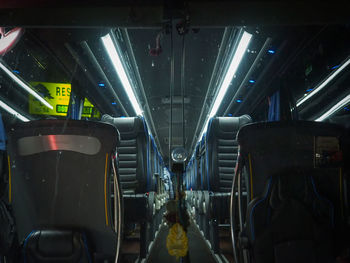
221 151
61 174
138 184
295 192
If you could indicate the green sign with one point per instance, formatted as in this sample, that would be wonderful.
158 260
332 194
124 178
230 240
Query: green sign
58 95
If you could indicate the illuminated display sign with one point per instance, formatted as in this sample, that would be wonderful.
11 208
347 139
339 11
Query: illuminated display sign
58 95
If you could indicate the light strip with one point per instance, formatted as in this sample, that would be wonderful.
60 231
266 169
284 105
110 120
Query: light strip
117 63
25 86
324 83
334 109
236 60
204 129
13 112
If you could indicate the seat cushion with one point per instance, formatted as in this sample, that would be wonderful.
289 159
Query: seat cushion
284 224
56 246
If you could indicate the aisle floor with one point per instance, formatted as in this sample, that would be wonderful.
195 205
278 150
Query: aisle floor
198 249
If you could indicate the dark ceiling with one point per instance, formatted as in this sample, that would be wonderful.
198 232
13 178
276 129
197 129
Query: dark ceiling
201 49
76 55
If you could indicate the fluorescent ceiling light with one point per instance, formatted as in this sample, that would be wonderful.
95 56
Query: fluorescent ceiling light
117 63
236 60
12 111
335 108
232 69
324 83
24 86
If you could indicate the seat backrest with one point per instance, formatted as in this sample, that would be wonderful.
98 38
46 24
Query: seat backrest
305 148
133 151
2 135
222 150
188 176
60 179
273 147
291 222
3 158
156 166
201 182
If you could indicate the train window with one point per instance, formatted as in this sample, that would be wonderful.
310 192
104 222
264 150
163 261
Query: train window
35 84
320 74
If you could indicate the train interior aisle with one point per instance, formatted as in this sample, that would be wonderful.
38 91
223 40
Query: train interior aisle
174 131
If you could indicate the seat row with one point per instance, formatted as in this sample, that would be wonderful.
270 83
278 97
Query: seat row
209 177
280 187
141 177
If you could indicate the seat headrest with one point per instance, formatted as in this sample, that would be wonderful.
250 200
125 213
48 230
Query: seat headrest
232 124
122 124
128 127
276 147
286 133
228 124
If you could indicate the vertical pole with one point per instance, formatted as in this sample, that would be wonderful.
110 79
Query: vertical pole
172 80
183 90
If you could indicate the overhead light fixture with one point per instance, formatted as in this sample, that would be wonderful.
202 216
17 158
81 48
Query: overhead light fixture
335 108
13 112
24 85
231 71
115 57
324 83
